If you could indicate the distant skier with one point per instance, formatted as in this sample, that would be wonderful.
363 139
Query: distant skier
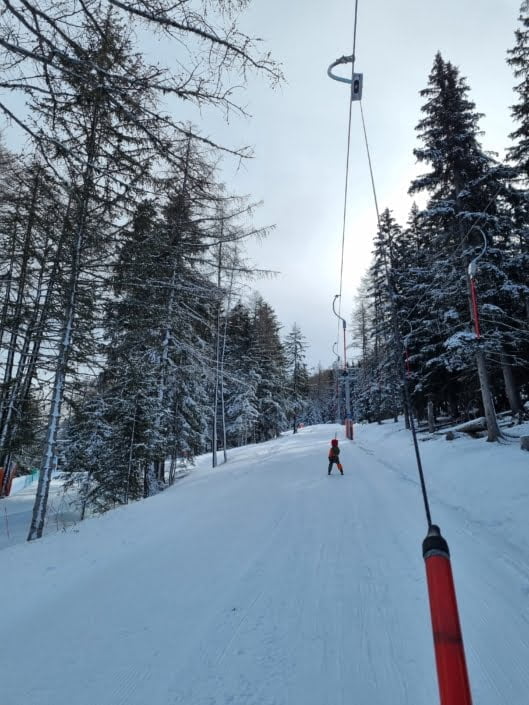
334 456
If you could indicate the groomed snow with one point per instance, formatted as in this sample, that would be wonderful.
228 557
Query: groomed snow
266 582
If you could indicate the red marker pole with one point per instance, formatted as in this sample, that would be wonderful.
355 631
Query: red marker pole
452 676
475 309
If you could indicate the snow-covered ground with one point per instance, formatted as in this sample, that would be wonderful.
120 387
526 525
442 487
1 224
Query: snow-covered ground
266 582
16 510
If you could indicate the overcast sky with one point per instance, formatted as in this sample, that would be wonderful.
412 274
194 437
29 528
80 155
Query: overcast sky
299 133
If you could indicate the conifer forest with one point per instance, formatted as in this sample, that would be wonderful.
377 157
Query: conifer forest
132 337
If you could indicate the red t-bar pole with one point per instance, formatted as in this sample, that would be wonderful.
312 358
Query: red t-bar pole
475 306
452 676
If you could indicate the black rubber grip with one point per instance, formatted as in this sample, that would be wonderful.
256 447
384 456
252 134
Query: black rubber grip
435 543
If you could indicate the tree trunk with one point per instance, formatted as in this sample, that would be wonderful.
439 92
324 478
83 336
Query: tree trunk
86 487
49 456
217 363
17 313
511 390
222 359
452 404
26 367
172 469
431 417
407 425
164 358
338 395
48 462
160 471
493 430
9 283
223 413
131 454
473 426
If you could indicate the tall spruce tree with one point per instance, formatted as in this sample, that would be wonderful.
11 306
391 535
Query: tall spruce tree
155 374
386 347
295 346
518 59
268 361
321 397
518 154
462 183
241 378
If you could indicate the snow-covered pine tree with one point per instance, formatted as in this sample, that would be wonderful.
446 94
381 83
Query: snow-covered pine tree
362 319
32 212
518 154
231 219
418 333
268 363
19 227
295 346
392 240
158 378
463 184
386 382
518 59
91 459
158 330
241 379
321 397
103 153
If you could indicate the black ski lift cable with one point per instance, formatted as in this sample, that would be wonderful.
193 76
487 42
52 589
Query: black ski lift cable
345 60
452 675
370 164
399 344
448 642
397 336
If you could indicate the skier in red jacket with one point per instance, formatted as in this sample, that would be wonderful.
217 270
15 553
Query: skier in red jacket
334 456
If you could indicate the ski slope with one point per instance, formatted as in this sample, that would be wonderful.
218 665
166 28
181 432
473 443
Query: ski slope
266 582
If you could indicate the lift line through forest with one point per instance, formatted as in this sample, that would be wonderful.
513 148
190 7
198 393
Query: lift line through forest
452 675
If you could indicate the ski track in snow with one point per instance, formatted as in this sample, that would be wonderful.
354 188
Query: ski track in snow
264 583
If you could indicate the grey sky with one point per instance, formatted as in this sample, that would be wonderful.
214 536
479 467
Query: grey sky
299 133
